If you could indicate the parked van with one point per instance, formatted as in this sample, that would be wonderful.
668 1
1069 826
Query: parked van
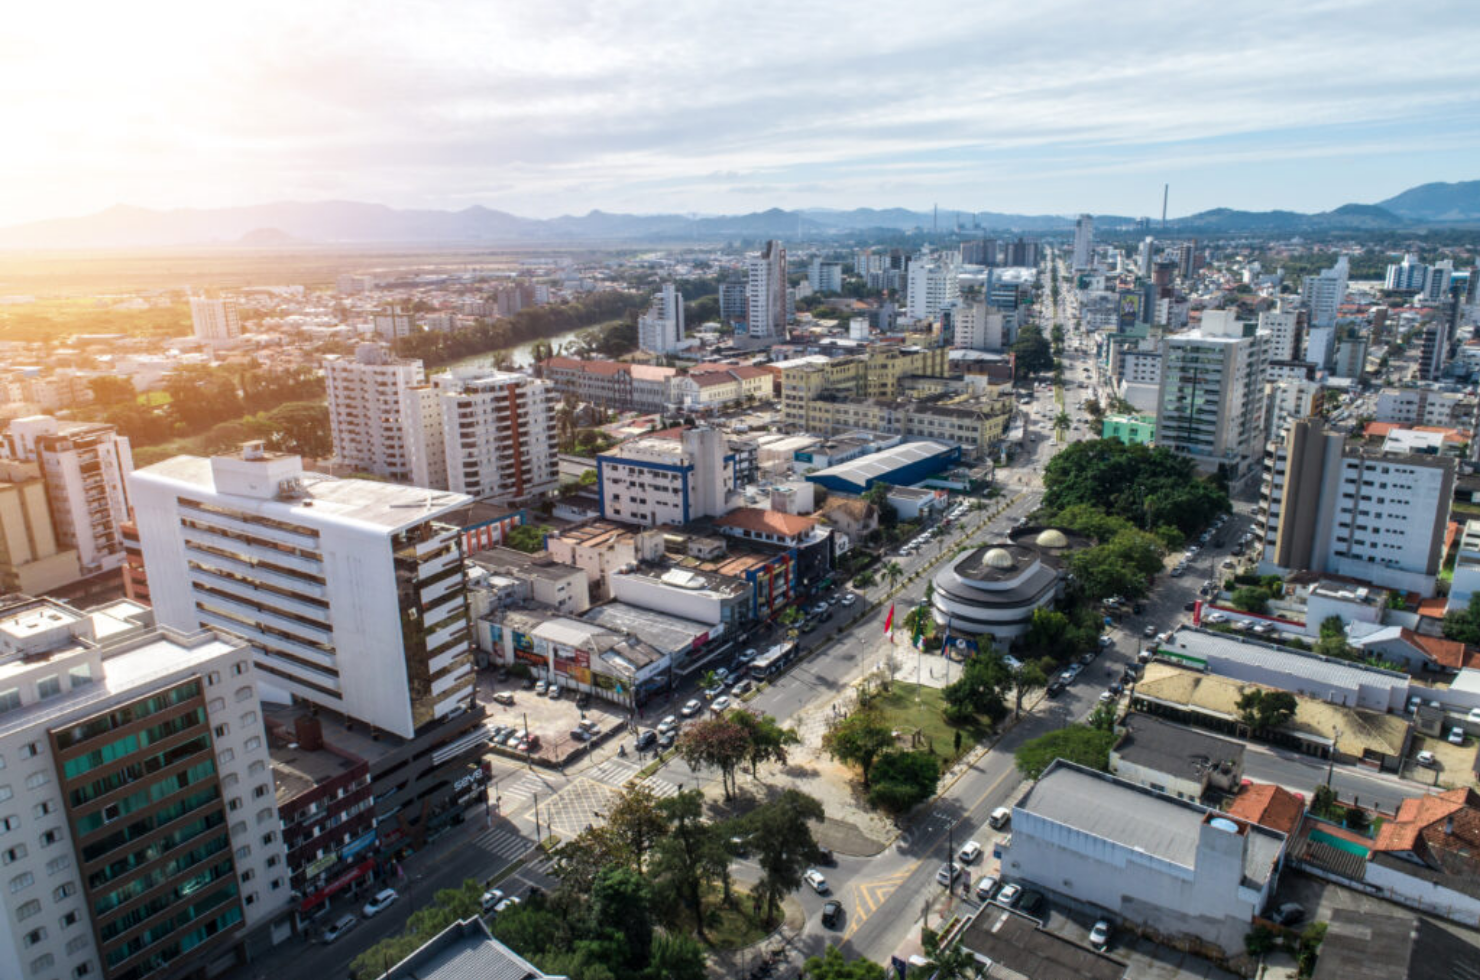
999 817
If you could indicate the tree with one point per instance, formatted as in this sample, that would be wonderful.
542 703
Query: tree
902 779
579 860
111 389
635 822
1032 352
948 962
621 906
1077 743
691 855
1094 409
676 957
1027 677
833 965
920 622
859 739
1251 598
1145 486
767 741
893 572
1062 421
1464 625
528 538
1263 710
979 690
716 743
779 833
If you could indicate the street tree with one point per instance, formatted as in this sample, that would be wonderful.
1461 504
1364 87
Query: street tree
980 688
779 833
579 860
716 743
690 856
901 779
859 739
1077 743
1028 677
893 572
621 907
949 961
833 965
676 956
636 823
767 740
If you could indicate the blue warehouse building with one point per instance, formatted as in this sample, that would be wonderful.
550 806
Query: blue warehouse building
903 465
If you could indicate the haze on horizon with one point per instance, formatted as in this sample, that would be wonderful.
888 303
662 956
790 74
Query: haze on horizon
707 106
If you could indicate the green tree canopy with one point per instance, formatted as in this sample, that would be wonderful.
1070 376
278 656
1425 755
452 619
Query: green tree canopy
1251 598
833 965
779 833
1146 486
859 739
1263 710
716 743
901 779
980 688
1077 743
1032 352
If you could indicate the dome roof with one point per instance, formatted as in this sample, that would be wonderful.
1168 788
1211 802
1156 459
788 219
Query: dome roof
998 558
1052 538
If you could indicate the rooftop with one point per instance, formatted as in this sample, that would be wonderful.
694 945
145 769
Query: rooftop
539 565
465 950
1271 657
1015 942
758 521
665 633
877 466
1269 806
1362 945
1175 749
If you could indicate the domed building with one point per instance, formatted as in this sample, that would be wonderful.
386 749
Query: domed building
993 590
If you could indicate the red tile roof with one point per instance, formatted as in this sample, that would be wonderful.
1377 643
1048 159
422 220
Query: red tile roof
1447 822
1269 806
754 519
588 367
1446 653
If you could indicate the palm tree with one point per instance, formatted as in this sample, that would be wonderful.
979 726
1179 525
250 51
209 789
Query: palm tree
1061 421
565 420
919 620
954 962
893 573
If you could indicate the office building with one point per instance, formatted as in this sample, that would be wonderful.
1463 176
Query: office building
1175 760
1408 276
1421 406
215 321
1436 287
661 329
142 837
1284 329
392 325
1349 354
84 465
376 427
1287 400
499 434
1333 508
732 301
1322 294
982 251
876 373
32 556
1170 865
977 326
669 478
350 591
1147 255
1434 347
765 293
1084 242
1211 401
932 284
825 277
1133 430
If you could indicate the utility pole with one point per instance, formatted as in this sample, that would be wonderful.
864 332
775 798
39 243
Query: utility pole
1331 760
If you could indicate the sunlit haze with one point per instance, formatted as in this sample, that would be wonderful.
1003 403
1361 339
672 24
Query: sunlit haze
561 106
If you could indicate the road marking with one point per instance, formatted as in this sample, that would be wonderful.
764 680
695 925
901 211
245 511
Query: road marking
872 895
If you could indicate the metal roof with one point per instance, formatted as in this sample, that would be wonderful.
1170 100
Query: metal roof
880 464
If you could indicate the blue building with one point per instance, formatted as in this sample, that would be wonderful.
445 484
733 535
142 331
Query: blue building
903 465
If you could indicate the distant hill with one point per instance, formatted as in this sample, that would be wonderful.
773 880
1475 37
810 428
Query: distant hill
1437 202
357 223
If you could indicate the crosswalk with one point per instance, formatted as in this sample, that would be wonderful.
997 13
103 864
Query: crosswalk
660 787
614 772
513 794
504 842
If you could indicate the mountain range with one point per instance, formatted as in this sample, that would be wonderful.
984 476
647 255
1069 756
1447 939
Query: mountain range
355 223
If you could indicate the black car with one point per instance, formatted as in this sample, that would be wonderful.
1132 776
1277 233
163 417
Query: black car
1138 608
646 740
1188 606
1055 689
825 856
832 911
580 734
1033 903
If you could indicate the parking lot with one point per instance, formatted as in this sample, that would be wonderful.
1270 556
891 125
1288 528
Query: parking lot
553 721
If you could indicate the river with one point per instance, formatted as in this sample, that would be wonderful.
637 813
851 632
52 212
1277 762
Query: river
523 355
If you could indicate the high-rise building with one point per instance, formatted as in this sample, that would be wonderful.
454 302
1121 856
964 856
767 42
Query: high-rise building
142 837
978 326
660 330
1436 286
499 434
1285 401
825 277
392 325
1148 255
732 301
215 320
84 465
1084 242
351 592
1211 403
666 480
1333 508
932 284
32 556
1433 353
765 293
375 419
1283 327
1322 294
1408 276
982 251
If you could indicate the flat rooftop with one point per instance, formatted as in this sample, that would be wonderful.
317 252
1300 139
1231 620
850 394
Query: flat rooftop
1014 942
1166 747
668 634
531 566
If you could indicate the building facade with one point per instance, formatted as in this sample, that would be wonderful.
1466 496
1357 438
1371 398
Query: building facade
499 434
661 329
765 293
215 320
376 427
666 480
1211 403
32 557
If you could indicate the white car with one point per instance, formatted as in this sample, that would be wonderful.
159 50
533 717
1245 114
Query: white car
668 724
1426 758
341 925
849 599
383 900
814 878
984 887
970 852
1217 617
1099 936
720 705
491 899
1009 895
690 708
507 904
1456 736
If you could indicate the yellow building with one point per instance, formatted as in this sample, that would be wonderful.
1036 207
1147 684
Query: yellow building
973 423
32 559
874 374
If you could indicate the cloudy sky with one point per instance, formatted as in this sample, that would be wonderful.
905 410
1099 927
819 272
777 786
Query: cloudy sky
560 106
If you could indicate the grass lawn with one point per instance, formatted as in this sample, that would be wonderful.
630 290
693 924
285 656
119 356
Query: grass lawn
905 713
150 399
731 926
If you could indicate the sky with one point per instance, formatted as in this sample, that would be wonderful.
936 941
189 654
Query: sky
715 106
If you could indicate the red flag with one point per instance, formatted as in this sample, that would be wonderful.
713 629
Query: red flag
889 620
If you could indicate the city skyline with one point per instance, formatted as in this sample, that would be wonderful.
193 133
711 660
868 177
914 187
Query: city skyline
572 107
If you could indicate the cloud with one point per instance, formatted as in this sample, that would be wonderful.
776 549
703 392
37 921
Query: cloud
708 105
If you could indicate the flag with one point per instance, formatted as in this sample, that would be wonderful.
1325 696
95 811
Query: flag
889 621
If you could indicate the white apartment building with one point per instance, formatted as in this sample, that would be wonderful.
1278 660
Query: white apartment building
1436 288
374 415
1322 294
1286 401
977 326
666 481
765 292
1409 276
215 320
121 743
498 432
1283 327
825 277
931 285
1084 242
660 330
1419 406
1147 255
1333 509
351 592
84 465
392 325
1211 401
1141 367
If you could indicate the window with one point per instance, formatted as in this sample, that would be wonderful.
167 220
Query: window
71 919
217 705
58 864
63 892
43 808
80 676
22 882
234 804
12 854
50 837
5 793
257 768
258 792
243 694
251 898
37 935
49 687
213 678
226 755
42 963
37 780
7 824
30 750
244 852
250 718
268 838
253 744
27 909
77 944
277 883
82 970
272 861
10 699
239 668
248 874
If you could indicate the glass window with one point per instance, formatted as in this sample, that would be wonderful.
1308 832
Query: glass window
80 675
49 687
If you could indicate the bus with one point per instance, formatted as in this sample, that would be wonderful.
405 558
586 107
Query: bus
773 661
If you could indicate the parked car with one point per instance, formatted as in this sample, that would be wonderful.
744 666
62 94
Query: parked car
583 700
667 724
383 900
948 873
748 655
999 818
580 735
1149 631
1287 914
540 687
554 692
832 911
742 687
825 856
666 740
490 900
590 726
713 692
503 697
1056 688
720 705
970 853
507 904
1425 758
1456 736
1009 895
1099 936
646 740
691 707
1105 641
985 886
849 599
815 878
341 925
1033 903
